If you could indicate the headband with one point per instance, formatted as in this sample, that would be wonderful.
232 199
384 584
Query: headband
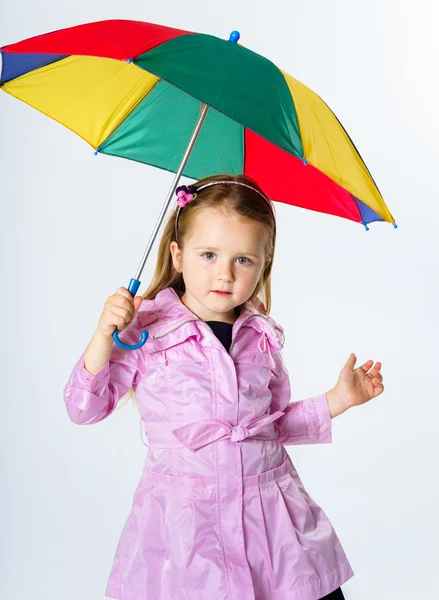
186 194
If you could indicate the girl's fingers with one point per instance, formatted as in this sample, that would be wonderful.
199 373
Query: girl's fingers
122 291
137 301
123 302
367 366
375 376
121 312
378 385
376 369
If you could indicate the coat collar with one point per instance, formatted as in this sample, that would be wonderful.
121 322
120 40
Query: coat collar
166 312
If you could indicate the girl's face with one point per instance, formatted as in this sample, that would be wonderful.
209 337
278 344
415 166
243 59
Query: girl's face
221 253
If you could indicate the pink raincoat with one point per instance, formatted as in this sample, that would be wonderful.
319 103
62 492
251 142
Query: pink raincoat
220 512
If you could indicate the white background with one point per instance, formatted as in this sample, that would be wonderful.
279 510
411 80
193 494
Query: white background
74 227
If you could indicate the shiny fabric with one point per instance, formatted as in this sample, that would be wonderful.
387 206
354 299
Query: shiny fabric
220 512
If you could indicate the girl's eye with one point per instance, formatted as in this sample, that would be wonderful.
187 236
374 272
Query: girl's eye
206 254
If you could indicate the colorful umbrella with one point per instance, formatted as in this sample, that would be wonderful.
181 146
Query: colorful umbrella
143 91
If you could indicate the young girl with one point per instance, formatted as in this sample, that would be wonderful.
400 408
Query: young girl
220 512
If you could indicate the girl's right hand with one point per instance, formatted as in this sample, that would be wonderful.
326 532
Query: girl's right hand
119 310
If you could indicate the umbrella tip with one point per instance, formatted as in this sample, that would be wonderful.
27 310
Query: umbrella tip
234 36
366 227
395 226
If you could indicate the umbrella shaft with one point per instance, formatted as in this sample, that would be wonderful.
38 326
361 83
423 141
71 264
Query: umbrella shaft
204 109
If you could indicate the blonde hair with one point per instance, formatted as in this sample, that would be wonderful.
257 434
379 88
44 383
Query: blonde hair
237 201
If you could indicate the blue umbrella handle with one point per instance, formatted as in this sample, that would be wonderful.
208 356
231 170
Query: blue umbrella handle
132 288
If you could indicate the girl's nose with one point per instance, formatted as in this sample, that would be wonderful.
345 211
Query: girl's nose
225 273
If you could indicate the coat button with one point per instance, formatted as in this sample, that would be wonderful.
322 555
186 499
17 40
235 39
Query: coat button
68 393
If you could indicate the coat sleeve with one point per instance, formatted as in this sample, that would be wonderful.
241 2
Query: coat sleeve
305 421
90 398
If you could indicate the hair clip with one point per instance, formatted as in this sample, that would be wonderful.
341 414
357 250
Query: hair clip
185 194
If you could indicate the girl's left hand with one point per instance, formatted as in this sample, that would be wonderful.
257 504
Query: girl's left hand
357 386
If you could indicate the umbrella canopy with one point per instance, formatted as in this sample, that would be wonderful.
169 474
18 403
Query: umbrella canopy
134 90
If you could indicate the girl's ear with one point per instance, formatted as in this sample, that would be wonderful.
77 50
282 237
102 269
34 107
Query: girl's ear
176 257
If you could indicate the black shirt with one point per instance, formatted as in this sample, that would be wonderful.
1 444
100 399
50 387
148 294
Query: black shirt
223 332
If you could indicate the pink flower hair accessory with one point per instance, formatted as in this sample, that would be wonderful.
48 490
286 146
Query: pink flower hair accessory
185 194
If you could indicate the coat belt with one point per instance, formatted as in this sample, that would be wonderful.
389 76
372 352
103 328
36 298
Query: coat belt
179 434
